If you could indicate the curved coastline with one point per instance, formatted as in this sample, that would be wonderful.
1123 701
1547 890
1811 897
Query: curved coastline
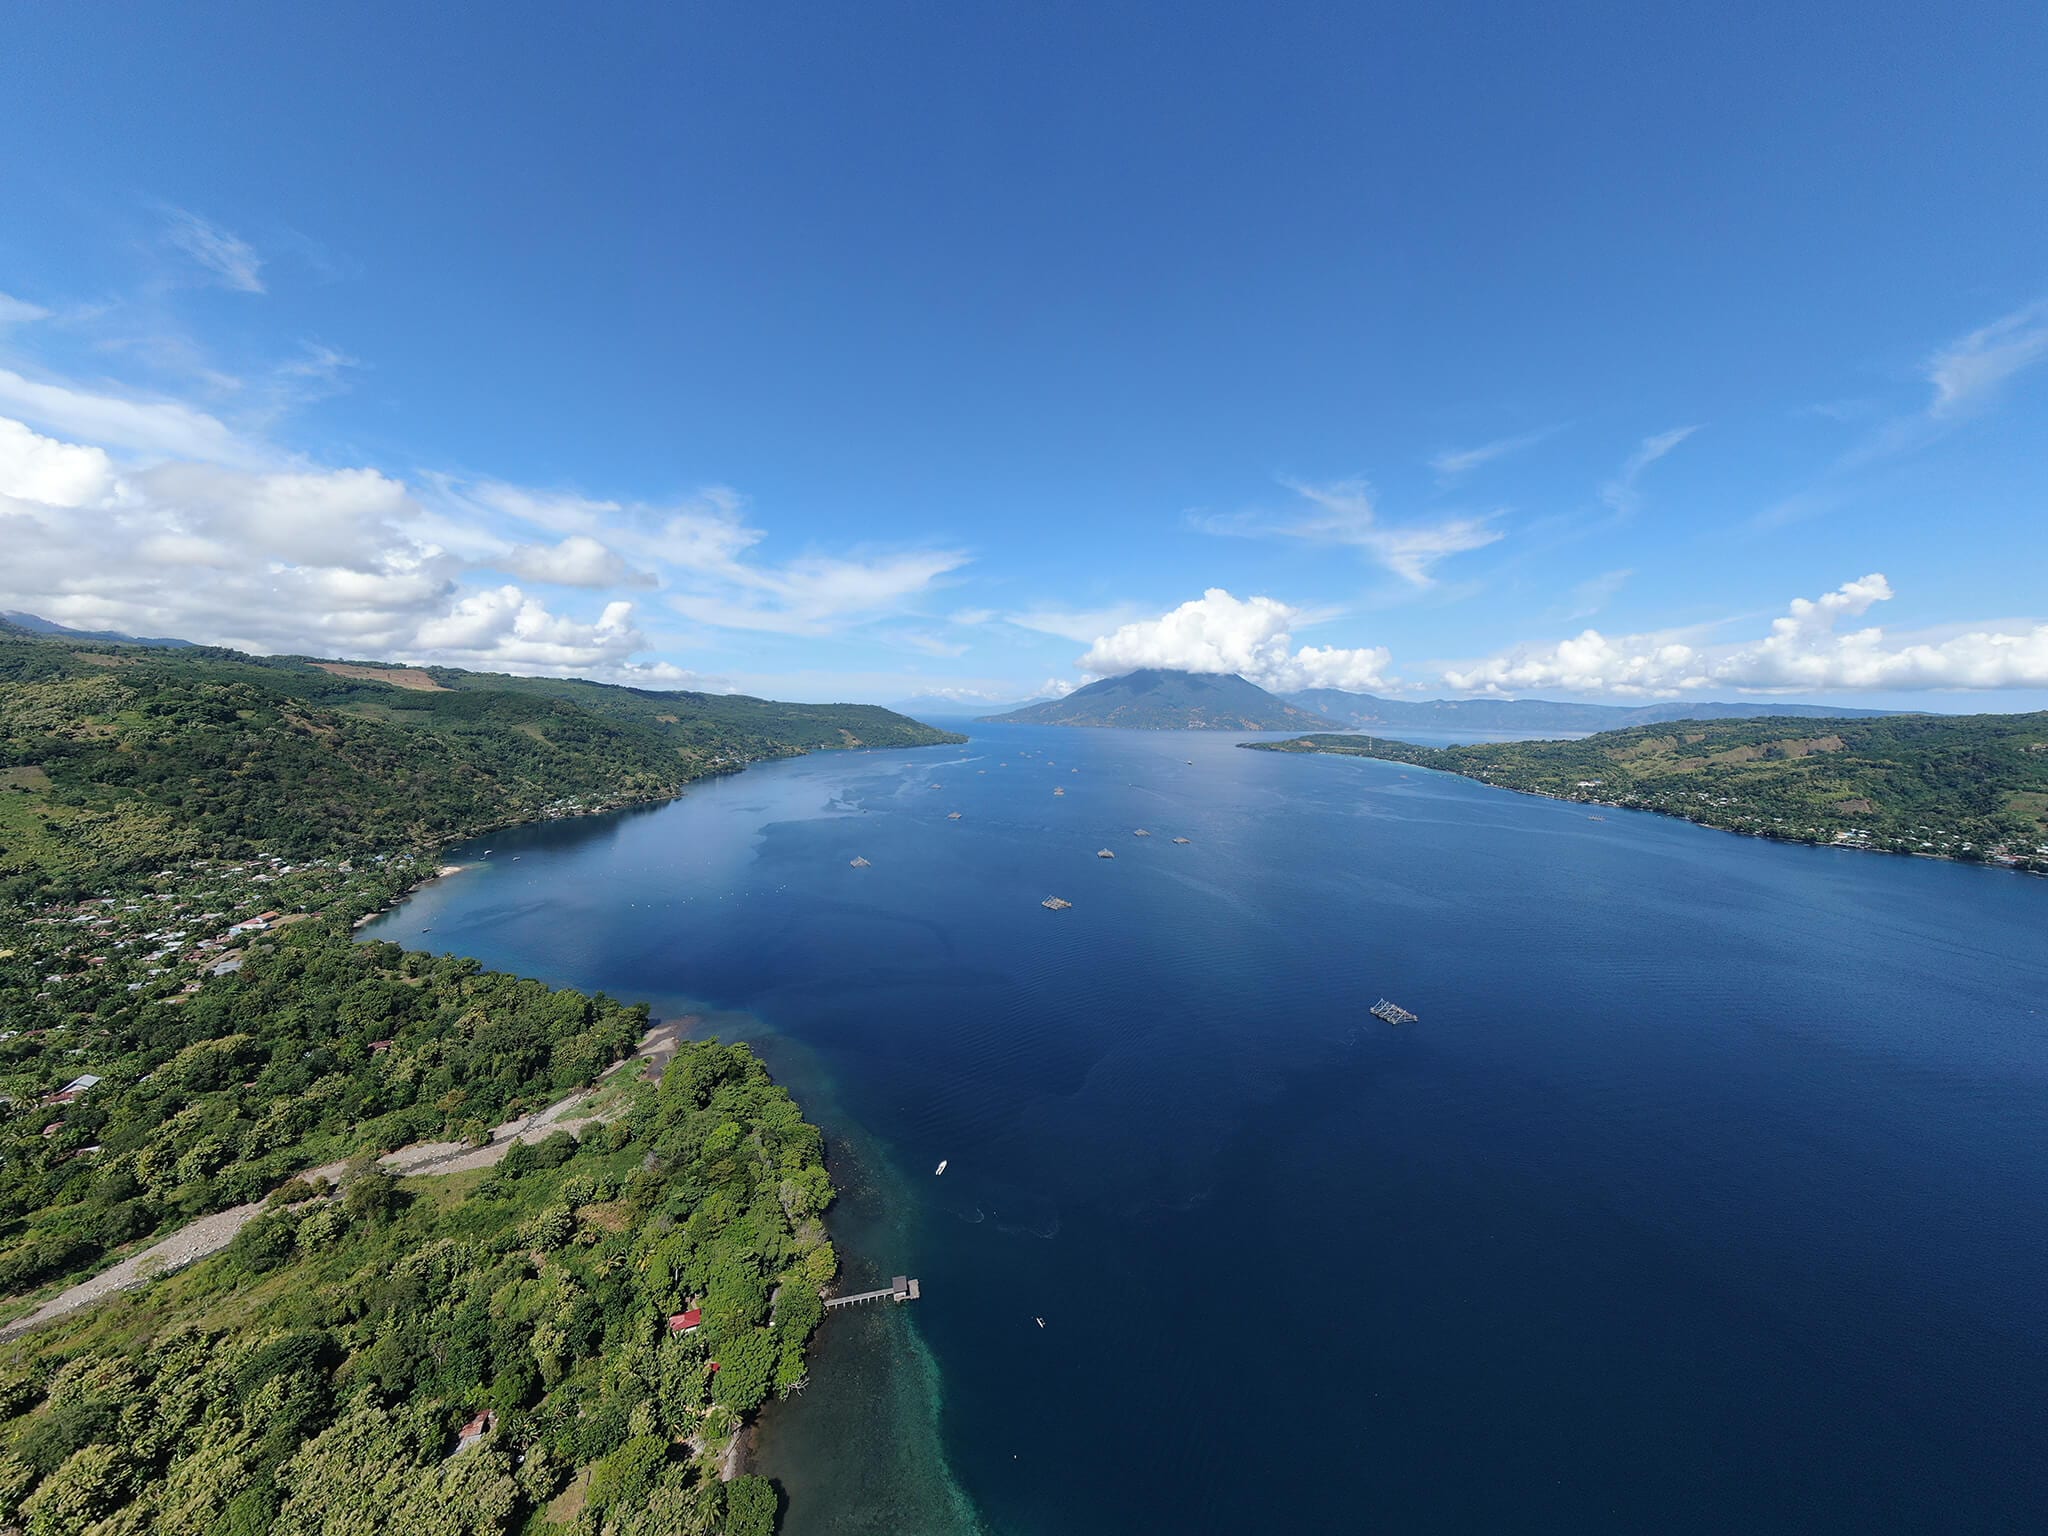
847 1467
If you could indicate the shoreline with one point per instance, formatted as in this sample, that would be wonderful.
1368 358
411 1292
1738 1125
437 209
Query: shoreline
807 1442
1760 834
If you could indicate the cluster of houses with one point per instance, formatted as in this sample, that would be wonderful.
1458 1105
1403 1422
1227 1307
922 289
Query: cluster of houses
162 945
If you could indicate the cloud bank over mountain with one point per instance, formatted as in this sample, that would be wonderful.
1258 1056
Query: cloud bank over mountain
1251 637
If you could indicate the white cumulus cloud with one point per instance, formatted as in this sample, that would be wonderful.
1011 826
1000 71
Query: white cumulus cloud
1805 650
38 468
321 561
1248 636
577 561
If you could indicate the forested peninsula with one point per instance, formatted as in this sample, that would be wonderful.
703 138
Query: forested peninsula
1968 787
565 1335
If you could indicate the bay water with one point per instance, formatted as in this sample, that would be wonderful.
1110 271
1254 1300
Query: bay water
1709 1192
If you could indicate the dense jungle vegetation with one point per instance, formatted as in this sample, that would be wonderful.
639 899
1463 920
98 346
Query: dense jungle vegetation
1971 787
313 1377
188 839
314 1049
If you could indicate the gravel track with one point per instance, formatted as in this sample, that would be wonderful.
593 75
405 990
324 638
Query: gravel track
208 1235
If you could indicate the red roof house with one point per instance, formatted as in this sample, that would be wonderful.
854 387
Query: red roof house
686 1322
483 1424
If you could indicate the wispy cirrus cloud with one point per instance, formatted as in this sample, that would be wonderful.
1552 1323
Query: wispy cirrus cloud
1621 493
702 551
1453 462
1080 625
1963 376
1342 512
223 255
1969 370
107 420
1594 593
15 311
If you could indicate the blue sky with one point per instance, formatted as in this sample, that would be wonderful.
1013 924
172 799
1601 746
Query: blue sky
861 352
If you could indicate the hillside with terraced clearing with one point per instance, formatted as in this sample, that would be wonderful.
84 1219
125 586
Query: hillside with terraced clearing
1972 787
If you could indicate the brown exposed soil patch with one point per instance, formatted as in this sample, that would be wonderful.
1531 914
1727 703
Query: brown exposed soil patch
612 1217
397 677
1802 748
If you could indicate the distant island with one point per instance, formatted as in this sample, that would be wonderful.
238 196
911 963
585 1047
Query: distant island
425 1247
1970 787
1153 699
1536 717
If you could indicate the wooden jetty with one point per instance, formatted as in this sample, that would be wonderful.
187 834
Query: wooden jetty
901 1288
1393 1013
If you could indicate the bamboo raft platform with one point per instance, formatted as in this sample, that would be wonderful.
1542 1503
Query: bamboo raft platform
1055 904
1393 1013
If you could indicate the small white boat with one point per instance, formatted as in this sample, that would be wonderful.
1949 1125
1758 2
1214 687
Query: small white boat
1040 1321
941 1168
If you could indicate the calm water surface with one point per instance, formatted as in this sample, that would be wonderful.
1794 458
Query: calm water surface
1709 1194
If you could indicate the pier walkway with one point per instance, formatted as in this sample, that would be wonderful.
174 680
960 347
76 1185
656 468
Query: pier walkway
902 1288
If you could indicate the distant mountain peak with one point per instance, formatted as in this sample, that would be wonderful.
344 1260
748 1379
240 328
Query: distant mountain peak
1155 699
36 625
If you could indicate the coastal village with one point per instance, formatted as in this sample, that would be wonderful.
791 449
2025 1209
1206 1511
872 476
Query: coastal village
72 968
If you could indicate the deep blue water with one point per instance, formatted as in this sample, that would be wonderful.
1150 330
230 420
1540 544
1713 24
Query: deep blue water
1709 1194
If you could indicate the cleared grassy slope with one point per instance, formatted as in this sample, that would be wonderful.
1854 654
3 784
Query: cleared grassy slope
1957 786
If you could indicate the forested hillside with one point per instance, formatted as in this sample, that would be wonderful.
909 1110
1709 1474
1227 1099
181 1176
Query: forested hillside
1971 787
115 760
318 1376
188 1028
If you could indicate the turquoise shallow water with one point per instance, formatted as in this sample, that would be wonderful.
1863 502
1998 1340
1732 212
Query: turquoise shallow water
1706 1195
